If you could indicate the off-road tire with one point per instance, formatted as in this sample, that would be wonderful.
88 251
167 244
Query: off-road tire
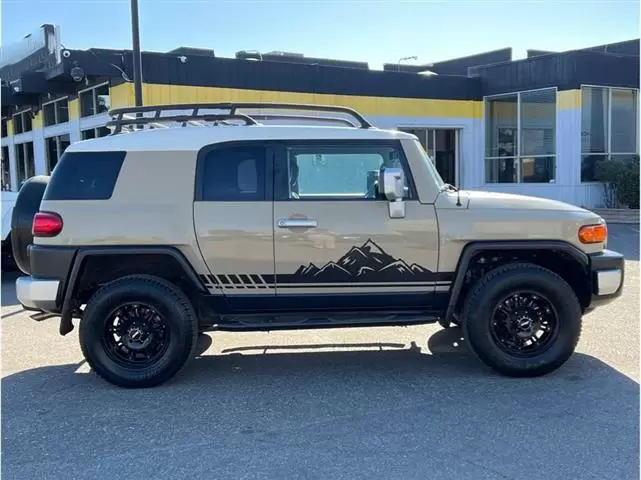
26 206
170 302
488 292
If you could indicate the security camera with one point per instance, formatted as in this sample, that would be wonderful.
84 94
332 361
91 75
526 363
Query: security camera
182 59
77 74
66 53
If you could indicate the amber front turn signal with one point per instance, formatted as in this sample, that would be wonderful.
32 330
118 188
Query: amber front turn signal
593 233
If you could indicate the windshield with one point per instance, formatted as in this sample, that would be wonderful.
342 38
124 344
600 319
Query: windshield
429 164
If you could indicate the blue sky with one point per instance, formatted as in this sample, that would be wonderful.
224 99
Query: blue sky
367 30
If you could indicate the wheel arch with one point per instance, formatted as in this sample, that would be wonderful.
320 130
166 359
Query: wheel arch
539 252
94 266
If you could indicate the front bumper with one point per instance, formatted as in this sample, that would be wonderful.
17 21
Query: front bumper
607 270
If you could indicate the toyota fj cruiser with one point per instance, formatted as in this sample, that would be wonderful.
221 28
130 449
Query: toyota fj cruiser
154 234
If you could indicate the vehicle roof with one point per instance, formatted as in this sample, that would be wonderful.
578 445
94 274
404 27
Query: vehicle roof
195 137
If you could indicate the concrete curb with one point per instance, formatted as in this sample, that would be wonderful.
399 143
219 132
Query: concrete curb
618 215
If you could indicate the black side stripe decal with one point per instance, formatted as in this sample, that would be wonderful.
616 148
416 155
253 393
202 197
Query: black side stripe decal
364 266
328 285
258 280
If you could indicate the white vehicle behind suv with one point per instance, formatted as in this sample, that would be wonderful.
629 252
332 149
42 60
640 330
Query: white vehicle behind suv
8 200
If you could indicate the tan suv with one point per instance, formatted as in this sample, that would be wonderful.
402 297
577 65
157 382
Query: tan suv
156 233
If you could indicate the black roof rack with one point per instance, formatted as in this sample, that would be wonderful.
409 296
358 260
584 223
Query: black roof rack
278 116
135 116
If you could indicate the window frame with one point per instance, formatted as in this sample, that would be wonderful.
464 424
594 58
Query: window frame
55 112
22 116
95 131
608 140
23 147
199 185
281 159
58 152
518 158
5 158
94 99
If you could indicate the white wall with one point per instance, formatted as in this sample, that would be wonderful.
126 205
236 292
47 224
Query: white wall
567 186
471 146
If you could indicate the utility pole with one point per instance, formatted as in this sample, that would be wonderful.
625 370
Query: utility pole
135 34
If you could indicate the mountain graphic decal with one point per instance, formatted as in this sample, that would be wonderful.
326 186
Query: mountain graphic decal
367 263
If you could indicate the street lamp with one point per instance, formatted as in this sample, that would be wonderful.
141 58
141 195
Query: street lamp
135 37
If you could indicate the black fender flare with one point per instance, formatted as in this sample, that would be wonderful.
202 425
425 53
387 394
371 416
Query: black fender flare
473 248
83 253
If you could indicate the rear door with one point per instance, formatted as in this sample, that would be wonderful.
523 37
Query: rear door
336 245
233 220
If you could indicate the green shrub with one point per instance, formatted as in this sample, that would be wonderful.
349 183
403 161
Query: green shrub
621 178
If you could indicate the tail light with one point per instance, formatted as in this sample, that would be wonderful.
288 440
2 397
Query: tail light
593 233
46 224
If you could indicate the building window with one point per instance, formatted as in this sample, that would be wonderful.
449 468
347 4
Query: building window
6 170
5 132
56 112
94 133
94 101
520 143
22 122
55 148
609 123
25 161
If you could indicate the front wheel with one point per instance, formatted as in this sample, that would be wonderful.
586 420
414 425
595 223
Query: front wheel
138 331
522 320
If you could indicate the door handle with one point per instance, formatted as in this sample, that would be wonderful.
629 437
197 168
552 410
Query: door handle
297 222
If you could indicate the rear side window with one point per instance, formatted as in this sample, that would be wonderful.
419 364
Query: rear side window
85 176
234 174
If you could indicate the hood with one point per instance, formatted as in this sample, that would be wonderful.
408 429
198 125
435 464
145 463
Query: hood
489 200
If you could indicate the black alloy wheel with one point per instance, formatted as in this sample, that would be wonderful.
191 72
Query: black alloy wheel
524 324
136 335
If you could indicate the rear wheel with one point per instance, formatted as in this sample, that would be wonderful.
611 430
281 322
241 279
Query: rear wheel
138 331
522 320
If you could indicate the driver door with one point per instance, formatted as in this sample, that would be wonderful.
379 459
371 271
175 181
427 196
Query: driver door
336 245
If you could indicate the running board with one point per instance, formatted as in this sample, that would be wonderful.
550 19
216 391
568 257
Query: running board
316 320
41 316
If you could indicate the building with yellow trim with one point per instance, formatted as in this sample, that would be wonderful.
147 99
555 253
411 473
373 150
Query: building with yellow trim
536 126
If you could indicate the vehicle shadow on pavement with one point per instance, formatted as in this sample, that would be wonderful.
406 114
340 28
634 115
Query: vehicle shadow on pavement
434 409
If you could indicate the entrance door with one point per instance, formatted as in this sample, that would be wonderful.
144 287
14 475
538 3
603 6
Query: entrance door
441 144
335 244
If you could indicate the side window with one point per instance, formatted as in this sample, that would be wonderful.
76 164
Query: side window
85 176
234 174
337 172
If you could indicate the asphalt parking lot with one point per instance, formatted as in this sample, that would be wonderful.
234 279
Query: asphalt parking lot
360 403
